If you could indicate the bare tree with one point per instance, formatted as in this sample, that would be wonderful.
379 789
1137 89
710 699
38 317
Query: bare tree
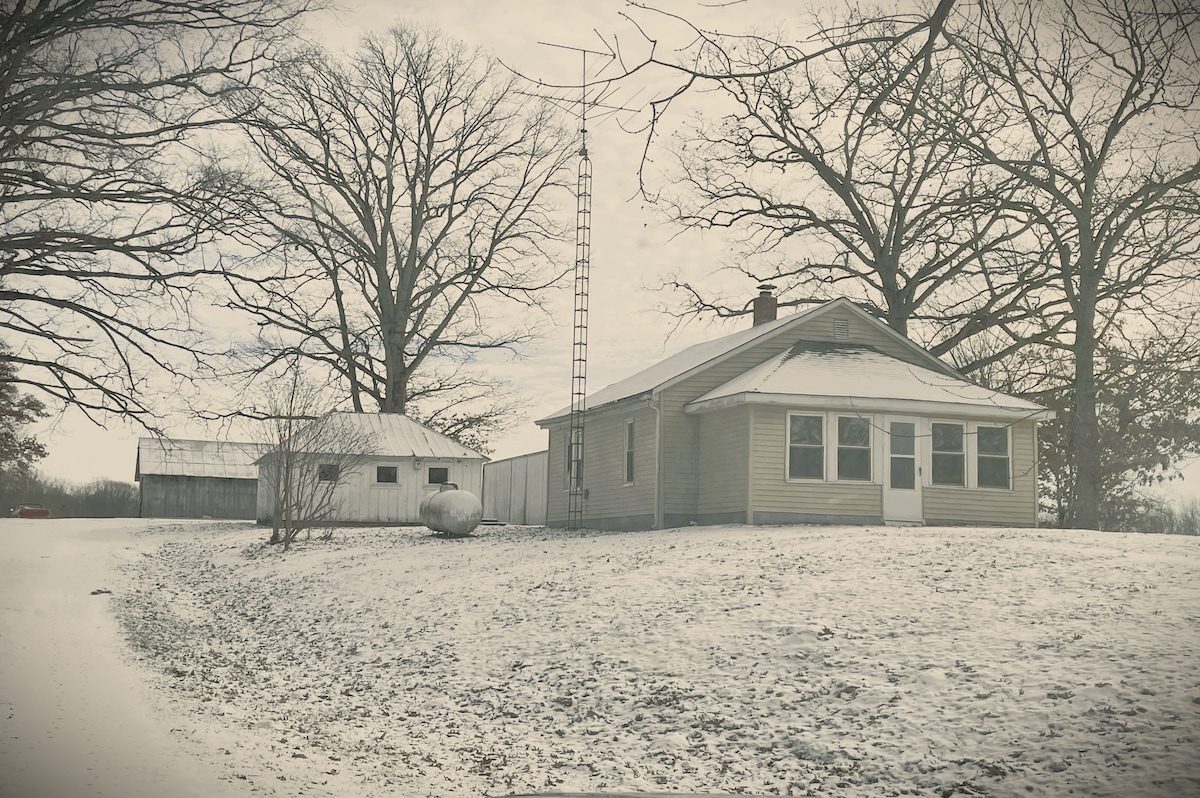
1099 109
99 101
408 197
887 205
311 453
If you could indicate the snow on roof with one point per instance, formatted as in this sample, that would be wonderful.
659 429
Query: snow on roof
222 459
815 369
397 435
681 362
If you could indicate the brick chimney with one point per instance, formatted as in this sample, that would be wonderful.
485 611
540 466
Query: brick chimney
765 305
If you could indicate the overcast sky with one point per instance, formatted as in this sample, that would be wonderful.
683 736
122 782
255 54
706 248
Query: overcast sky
633 248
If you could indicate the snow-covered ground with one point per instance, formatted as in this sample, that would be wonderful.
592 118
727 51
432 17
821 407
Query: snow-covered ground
802 661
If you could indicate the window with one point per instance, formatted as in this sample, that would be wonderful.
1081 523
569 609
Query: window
806 447
438 475
854 448
328 472
948 457
993 457
629 452
385 474
903 453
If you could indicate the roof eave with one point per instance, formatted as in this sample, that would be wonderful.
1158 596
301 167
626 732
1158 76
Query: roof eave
546 423
920 407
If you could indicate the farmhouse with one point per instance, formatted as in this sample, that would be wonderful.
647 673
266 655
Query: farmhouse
825 416
196 479
385 485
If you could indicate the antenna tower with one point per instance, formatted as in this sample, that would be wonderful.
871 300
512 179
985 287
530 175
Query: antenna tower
583 265
576 494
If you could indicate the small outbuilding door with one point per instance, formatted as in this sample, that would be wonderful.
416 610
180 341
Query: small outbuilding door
901 471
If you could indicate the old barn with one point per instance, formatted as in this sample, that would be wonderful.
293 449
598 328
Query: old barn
196 479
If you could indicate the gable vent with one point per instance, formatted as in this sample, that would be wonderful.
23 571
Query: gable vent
841 329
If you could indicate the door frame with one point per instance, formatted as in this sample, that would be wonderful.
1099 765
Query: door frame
901 505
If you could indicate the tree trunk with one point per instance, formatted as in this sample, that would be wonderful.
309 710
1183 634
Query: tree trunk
1083 512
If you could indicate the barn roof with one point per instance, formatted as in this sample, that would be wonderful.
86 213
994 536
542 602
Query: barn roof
171 457
857 376
397 435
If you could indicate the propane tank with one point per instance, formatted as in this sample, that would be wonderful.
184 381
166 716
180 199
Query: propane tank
451 511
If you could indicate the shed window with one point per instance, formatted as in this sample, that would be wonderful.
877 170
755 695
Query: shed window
854 448
948 457
385 474
806 447
438 475
993 457
629 452
328 472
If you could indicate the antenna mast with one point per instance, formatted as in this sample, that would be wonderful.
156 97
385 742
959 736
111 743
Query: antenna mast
583 265
576 494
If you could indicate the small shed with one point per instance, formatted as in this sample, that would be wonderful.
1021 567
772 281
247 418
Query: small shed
514 489
386 486
196 479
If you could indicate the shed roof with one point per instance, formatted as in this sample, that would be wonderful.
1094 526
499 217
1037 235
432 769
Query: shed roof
859 376
172 457
397 435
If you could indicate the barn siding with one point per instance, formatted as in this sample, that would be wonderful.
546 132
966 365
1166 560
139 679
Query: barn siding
176 496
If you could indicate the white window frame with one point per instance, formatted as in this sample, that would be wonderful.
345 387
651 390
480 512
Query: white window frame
628 454
391 484
429 468
976 455
965 454
870 447
787 447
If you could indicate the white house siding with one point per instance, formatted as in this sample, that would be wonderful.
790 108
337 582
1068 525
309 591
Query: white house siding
776 500
361 500
724 460
681 430
1015 507
514 489
610 503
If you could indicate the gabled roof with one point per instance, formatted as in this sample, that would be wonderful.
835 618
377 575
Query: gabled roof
397 435
857 376
220 459
702 355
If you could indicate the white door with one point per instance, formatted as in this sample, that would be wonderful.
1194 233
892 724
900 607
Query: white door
901 471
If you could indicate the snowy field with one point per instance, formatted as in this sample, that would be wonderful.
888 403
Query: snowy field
790 661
